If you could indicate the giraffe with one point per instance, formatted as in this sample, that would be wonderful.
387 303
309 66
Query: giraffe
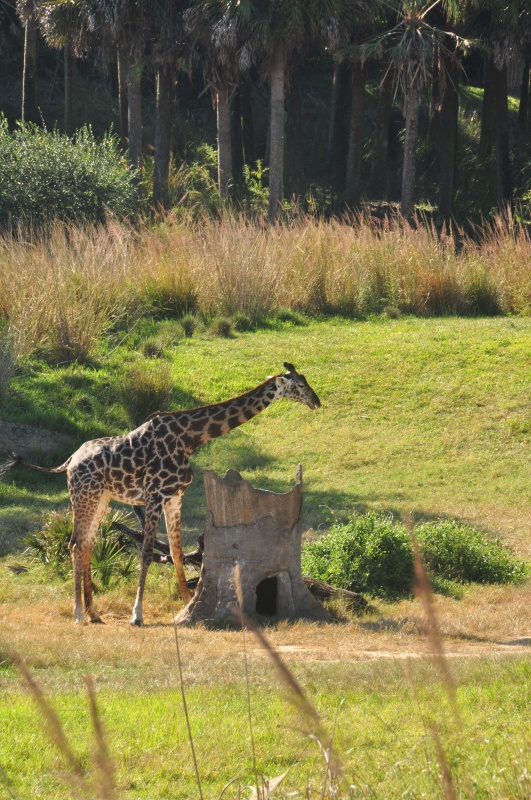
150 467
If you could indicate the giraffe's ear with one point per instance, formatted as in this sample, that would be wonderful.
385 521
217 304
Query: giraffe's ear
290 368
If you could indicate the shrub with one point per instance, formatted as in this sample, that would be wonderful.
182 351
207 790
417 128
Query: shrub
46 174
370 553
222 326
373 554
145 388
189 325
458 552
113 555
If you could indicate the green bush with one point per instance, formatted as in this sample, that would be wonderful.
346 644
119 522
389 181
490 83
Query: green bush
371 553
113 556
458 552
46 175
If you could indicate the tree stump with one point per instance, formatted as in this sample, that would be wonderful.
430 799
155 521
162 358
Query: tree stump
252 538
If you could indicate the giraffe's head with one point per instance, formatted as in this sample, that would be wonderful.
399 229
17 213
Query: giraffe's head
296 387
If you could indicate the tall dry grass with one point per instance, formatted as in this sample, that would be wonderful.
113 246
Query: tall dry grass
60 290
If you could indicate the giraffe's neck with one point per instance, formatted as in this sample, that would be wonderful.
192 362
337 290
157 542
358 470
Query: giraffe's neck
207 423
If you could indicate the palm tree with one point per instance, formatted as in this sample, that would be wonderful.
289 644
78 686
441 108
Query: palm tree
167 45
217 37
28 11
409 47
279 31
66 26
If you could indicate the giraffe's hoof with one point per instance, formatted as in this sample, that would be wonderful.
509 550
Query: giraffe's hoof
137 623
97 621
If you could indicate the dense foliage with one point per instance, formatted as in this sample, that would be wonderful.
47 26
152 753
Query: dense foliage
46 174
372 553
317 107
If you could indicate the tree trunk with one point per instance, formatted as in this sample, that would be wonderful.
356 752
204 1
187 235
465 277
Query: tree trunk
249 145
380 153
121 68
30 112
338 132
70 62
355 139
523 108
134 116
276 154
224 139
295 172
163 134
237 138
486 139
504 183
448 119
435 94
412 100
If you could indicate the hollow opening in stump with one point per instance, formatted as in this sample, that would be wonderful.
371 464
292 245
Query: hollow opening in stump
266 596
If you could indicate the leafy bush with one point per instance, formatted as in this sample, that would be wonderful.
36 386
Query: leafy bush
46 174
370 553
145 388
113 556
458 552
373 554
193 185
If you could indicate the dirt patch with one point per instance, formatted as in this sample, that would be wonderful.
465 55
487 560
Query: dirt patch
28 442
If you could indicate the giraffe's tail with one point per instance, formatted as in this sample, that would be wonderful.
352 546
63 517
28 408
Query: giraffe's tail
16 460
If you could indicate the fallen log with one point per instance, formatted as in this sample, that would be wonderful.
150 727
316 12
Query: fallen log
320 589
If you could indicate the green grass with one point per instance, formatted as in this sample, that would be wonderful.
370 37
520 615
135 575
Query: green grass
383 733
425 416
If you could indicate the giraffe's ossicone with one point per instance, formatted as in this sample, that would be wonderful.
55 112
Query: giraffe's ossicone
149 467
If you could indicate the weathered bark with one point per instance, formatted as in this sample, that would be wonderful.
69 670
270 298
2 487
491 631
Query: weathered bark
355 140
224 123
294 156
121 68
338 132
276 152
504 181
134 115
448 119
486 139
30 111
523 108
249 144
412 100
435 94
380 153
236 126
163 134
70 63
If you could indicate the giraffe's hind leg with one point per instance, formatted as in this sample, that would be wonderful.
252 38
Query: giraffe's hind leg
172 513
88 513
153 514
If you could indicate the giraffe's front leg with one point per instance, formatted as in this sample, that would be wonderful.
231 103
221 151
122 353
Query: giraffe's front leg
153 514
172 513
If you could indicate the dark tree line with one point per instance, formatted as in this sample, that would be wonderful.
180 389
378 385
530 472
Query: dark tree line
414 51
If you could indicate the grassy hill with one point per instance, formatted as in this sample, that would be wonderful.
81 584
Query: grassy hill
428 416
423 416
